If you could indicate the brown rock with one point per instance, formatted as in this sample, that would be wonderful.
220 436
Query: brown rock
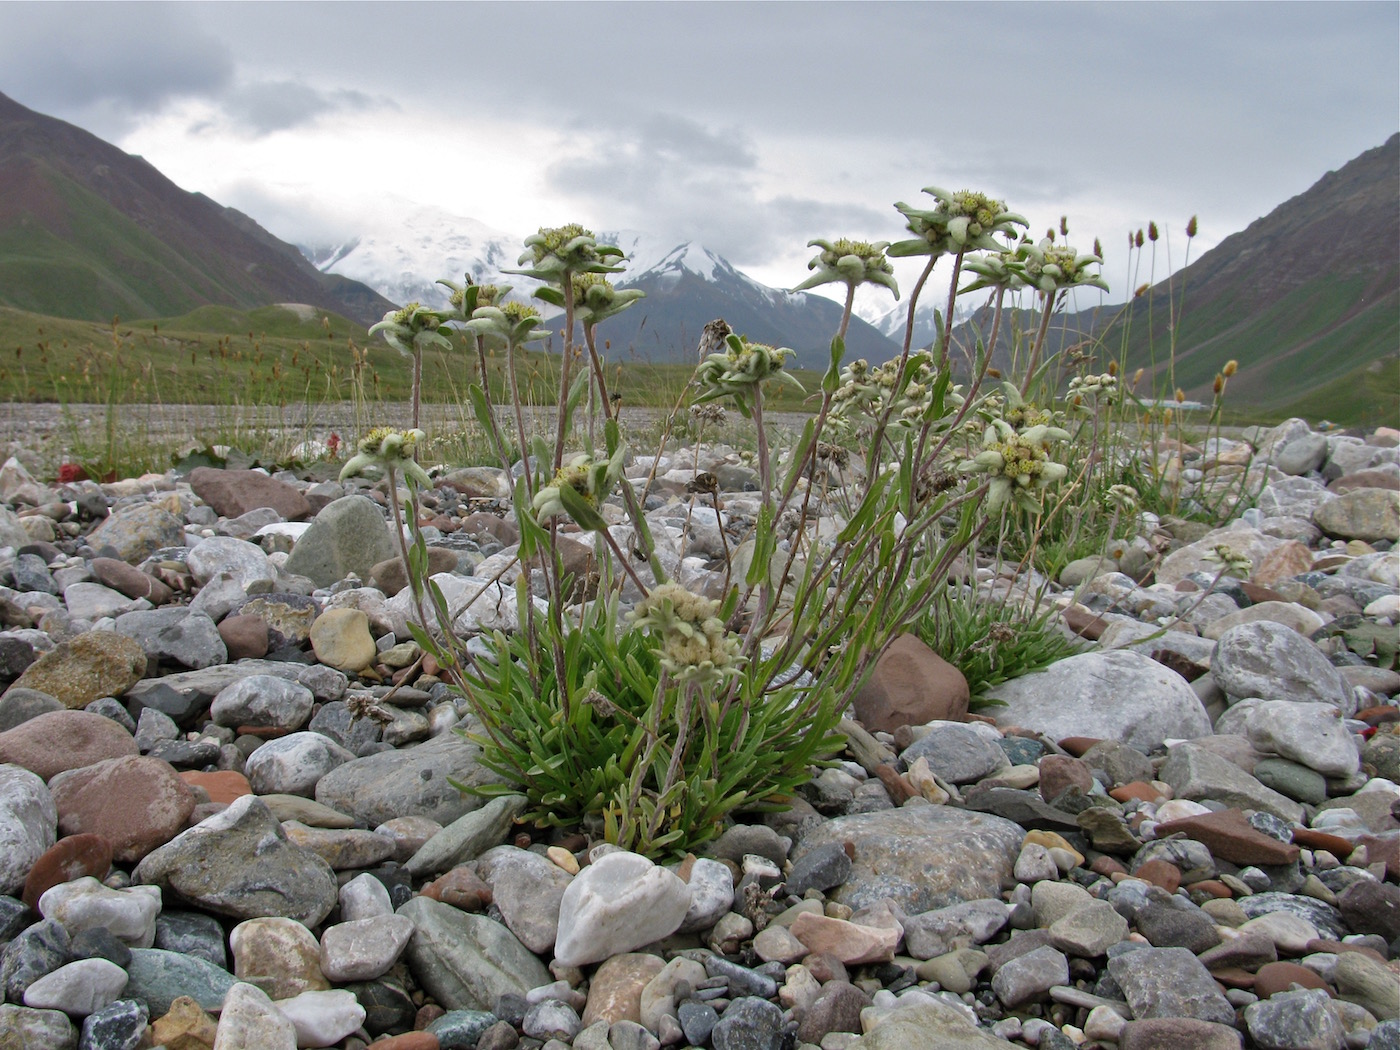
1085 623
1381 851
1160 873
1105 865
1276 977
390 576
138 531
245 637
235 492
836 1009
911 685
184 1027
67 859
1371 907
221 786
407 1041
615 994
853 944
288 616
1077 745
480 524
130 581
93 665
1058 772
136 803
1137 791
462 888
1256 593
59 740
1364 479
1229 836
1176 1033
1309 838
1249 951
1282 563
1211 888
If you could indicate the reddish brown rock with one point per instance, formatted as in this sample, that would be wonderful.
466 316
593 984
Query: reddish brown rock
135 803
1077 745
130 581
481 524
462 888
235 492
59 740
615 993
66 860
390 576
1284 562
1371 907
1229 836
222 786
1210 888
1084 623
1160 873
1255 593
1137 791
1060 772
407 1041
1382 851
1309 838
1107 866
1276 977
1177 1033
911 685
245 636
1375 716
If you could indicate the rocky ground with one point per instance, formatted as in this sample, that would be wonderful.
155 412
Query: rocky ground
225 816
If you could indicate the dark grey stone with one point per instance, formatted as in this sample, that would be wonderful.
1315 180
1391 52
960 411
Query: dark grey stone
819 869
120 1026
749 1023
192 933
39 950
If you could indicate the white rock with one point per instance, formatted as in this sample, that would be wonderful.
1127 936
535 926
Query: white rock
292 764
92 601
1289 933
322 1018
79 988
246 562
619 902
363 949
711 895
1312 735
250 1019
85 903
364 897
28 825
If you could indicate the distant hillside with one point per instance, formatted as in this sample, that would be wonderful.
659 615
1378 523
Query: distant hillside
1306 299
87 231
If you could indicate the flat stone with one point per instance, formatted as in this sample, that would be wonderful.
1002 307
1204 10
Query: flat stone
24 1029
1169 982
1120 695
78 988
1174 1033
528 891
233 493
344 849
1089 931
245 563
293 764
921 858
958 753
1273 662
92 665
135 803
853 944
62 740
411 782
138 531
1229 836
279 955
159 977
364 949
1301 1020
130 581
1361 514
467 837
1310 734
322 1018
263 700
466 962
1196 773
239 863
84 904
1030 976
28 825
70 858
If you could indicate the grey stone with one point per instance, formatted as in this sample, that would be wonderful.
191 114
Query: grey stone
192 933
467 961
957 752
1273 662
137 532
1169 982
749 1023
240 863
1117 695
1030 976
28 824
24 1029
246 563
40 949
1291 779
20 705
1301 1020
120 1026
349 535
467 837
1197 774
527 889
1361 514
293 764
921 857
412 782
1312 735
262 700
819 869
933 933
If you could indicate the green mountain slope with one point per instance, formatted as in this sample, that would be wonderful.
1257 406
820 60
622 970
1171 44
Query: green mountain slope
87 231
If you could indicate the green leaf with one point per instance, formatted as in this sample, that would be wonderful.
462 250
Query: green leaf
801 452
581 510
832 379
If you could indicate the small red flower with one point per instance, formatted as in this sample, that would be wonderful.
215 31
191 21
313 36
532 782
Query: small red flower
71 472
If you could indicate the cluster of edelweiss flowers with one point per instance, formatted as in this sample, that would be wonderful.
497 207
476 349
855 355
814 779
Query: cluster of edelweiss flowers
695 646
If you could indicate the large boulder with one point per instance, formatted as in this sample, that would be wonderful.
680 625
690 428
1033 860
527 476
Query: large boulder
1115 695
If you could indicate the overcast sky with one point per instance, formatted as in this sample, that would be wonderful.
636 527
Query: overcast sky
749 127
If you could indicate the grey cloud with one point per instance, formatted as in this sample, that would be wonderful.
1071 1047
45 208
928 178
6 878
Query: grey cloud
265 106
676 177
108 64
